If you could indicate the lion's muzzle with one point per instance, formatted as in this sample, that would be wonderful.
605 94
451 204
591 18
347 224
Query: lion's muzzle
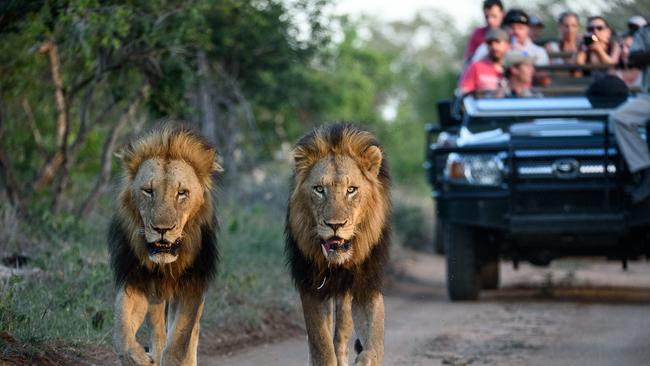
164 246
163 251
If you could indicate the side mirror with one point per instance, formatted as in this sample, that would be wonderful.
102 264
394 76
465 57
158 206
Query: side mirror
446 119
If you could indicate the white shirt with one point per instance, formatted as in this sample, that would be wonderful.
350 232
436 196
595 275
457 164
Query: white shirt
539 55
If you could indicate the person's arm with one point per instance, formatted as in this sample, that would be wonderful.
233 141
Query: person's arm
600 50
580 58
480 52
615 55
472 45
468 82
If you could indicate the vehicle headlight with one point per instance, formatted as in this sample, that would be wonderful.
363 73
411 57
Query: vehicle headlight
484 170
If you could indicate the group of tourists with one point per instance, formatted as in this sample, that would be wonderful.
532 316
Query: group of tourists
501 57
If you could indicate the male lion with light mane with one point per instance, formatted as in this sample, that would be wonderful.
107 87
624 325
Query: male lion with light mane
337 237
162 244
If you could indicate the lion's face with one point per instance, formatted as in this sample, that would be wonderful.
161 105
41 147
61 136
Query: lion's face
338 193
166 193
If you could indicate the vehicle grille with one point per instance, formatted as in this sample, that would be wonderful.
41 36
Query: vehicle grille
565 181
565 164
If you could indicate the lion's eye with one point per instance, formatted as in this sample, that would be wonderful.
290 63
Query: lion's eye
319 189
183 193
352 189
147 192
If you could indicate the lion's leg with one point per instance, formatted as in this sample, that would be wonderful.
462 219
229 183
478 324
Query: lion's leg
368 317
130 310
343 328
158 331
183 336
318 321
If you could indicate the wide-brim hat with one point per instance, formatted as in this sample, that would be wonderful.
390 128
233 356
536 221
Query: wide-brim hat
516 57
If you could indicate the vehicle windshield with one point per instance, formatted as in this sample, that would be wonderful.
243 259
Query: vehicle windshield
489 114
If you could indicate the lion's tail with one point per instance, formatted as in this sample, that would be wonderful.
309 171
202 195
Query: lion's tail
357 346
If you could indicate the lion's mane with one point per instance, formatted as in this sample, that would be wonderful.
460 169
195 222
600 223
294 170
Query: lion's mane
198 256
363 274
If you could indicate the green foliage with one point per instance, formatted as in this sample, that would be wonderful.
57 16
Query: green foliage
70 299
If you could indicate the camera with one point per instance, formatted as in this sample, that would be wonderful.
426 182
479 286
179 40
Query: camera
590 38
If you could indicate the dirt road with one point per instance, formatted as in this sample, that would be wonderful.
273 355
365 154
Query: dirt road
575 313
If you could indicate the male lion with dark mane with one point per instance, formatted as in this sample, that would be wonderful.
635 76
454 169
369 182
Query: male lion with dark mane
162 244
337 237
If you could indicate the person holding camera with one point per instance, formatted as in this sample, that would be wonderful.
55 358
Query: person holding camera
634 115
598 46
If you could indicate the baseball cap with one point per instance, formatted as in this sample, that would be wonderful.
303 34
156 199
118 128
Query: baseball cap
516 16
497 34
516 57
535 21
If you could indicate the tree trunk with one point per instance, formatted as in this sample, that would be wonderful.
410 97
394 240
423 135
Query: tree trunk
50 169
206 106
68 152
61 122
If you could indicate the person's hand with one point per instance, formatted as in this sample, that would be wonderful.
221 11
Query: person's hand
597 46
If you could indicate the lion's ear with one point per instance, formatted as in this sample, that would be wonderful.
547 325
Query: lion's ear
301 158
372 160
125 153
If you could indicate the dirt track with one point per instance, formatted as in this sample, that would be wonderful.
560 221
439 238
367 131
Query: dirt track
576 313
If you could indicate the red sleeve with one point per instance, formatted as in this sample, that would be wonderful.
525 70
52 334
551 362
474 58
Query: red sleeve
468 83
474 41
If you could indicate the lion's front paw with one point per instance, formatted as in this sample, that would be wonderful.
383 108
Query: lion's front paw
136 357
366 358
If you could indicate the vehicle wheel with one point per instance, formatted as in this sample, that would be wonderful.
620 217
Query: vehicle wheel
438 239
490 275
463 277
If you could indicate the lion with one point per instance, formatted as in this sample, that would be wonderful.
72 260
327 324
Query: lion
337 241
162 244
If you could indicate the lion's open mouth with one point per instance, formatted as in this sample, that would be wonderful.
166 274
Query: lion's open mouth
334 244
164 246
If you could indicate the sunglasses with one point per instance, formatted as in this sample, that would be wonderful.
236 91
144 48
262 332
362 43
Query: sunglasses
592 28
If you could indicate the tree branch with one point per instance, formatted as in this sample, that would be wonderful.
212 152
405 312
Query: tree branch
107 154
31 122
51 50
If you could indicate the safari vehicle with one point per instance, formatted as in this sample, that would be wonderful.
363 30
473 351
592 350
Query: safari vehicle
529 179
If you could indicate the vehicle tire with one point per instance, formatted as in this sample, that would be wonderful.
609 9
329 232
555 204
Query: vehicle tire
490 275
463 277
438 237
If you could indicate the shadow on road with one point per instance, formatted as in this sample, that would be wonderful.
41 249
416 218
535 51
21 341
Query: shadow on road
585 282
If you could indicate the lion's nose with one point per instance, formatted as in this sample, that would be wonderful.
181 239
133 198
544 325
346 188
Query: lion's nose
335 225
162 230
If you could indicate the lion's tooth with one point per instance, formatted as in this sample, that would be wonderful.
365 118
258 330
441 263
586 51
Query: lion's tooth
324 250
